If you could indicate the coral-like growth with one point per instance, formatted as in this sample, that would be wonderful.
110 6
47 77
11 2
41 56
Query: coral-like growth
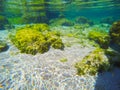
101 38
115 33
93 63
36 38
3 21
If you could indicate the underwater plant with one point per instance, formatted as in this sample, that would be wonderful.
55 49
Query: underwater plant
107 20
3 46
63 60
32 39
39 27
93 63
62 22
115 33
83 20
101 38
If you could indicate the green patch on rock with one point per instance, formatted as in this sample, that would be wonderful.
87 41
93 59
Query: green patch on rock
115 33
63 60
36 38
93 63
3 46
101 38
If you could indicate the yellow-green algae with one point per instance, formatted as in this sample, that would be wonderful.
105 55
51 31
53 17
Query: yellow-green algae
93 63
101 38
36 38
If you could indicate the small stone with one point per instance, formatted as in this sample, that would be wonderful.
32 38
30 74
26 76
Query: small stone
3 46
47 76
66 74
56 84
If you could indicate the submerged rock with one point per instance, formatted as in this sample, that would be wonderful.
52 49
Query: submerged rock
3 46
115 33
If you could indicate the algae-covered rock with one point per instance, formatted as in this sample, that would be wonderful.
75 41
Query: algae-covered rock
115 33
93 63
62 22
107 20
39 27
113 56
57 44
30 41
3 46
101 38
83 20
3 21
36 38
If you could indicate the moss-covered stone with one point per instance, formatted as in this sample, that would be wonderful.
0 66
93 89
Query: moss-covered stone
39 27
115 33
62 22
93 63
101 38
36 38
83 20
114 57
57 44
3 46
30 41
107 20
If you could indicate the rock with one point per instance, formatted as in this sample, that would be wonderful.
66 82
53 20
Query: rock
66 75
115 33
3 46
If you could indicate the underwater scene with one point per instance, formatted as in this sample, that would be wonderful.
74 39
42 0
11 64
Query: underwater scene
59 44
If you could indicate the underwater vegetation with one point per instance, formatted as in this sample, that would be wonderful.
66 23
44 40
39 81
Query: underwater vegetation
93 63
83 20
107 20
3 46
3 22
115 33
36 38
63 60
62 22
101 38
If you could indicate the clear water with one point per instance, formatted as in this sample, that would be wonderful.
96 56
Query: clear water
54 70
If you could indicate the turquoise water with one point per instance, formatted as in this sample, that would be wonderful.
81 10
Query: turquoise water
42 40
45 10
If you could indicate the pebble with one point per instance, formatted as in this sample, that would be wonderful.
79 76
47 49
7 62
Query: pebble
47 76
66 74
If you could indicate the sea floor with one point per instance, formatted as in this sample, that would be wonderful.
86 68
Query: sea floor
19 71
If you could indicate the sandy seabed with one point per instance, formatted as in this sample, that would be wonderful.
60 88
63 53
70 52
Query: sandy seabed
46 71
